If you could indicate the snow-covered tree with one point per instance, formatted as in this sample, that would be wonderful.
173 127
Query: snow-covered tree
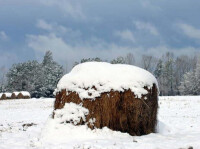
169 73
190 84
51 74
159 75
22 76
39 79
197 77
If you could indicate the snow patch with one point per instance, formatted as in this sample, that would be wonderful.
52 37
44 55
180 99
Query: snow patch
92 121
71 113
16 93
179 114
163 128
8 95
25 93
90 79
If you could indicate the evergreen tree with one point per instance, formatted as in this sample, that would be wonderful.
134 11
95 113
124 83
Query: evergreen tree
96 59
51 73
159 69
22 76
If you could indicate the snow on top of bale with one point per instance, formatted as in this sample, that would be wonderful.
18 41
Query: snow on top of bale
8 94
90 79
16 93
25 93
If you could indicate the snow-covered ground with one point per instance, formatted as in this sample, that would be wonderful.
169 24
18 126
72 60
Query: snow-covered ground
22 121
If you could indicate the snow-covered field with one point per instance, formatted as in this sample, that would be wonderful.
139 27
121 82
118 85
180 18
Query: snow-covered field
22 121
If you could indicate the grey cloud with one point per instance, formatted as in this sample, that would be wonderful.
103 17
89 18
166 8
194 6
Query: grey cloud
66 53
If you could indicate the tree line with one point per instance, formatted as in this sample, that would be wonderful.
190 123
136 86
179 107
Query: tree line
176 75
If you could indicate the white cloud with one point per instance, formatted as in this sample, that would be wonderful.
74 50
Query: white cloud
66 53
125 35
3 36
44 25
146 26
190 31
69 7
41 43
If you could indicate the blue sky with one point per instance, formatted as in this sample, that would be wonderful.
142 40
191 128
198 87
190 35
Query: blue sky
75 29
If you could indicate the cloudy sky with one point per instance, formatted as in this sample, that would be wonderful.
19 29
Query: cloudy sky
75 29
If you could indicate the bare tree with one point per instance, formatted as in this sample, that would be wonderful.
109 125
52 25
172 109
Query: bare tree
130 59
149 62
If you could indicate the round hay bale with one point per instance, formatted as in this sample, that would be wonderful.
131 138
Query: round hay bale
26 95
20 96
3 97
13 96
121 97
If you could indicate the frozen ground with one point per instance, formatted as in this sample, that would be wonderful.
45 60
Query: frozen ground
22 121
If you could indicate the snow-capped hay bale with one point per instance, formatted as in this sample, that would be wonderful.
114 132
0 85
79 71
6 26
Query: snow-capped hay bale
24 95
14 95
20 96
121 97
6 96
3 96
